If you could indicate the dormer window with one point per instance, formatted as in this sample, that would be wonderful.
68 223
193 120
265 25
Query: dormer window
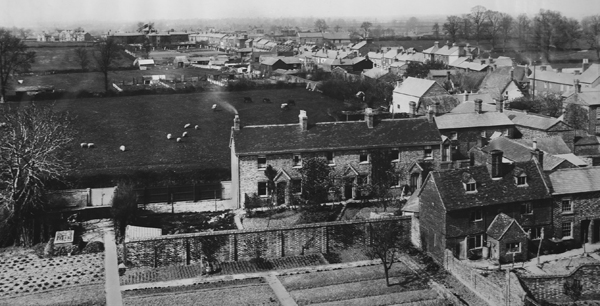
471 186
521 181
520 177
469 183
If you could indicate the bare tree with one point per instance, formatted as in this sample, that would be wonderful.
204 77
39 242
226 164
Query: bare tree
466 27
82 56
493 25
366 26
106 56
523 29
321 25
478 19
506 26
386 240
34 144
452 26
14 58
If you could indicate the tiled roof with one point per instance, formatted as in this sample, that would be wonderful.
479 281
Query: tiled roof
431 50
490 192
591 74
392 53
471 120
587 96
575 180
500 225
519 150
414 87
535 121
495 82
573 159
587 140
553 77
335 136
551 145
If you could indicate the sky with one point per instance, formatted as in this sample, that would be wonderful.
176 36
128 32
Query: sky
29 13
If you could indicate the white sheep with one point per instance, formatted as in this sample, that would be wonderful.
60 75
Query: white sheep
90 145
84 145
187 126
169 136
196 127
284 105
122 148
184 134
178 139
214 107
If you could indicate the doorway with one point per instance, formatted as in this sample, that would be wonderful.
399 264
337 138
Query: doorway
596 231
348 186
585 230
280 192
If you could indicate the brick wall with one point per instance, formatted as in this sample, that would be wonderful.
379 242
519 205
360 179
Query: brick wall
585 207
550 288
495 287
242 244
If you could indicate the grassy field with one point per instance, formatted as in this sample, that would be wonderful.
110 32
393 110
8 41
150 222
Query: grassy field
86 295
63 58
141 124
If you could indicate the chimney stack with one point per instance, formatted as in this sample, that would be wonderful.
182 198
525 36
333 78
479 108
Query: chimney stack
534 144
478 106
448 75
496 164
577 86
466 95
413 108
539 155
303 121
436 108
236 123
512 73
430 115
369 117
499 106
436 44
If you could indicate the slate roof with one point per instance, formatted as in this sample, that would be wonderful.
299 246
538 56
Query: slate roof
591 74
414 87
358 45
269 61
554 77
500 225
575 180
310 34
490 192
503 61
337 35
495 82
519 150
585 97
442 73
251 140
472 120
573 159
535 121
551 145
375 73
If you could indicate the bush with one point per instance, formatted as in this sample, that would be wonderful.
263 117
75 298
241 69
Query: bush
93 247
64 250
124 210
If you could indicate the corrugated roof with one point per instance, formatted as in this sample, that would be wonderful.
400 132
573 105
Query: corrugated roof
335 136
414 87
575 180
535 121
471 120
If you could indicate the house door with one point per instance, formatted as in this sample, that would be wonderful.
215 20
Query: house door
180 64
585 231
348 186
414 182
596 231
280 192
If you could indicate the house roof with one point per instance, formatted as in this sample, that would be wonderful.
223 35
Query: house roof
359 45
519 150
536 121
591 74
145 62
291 60
573 159
270 61
575 180
413 203
337 35
500 225
553 77
335 136
375 73
587 96
310 34
472 120
490 191
431 49
503 61
414 87
551 145
442 73
495 82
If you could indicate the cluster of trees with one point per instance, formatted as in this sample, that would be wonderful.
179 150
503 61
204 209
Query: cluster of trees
345 90
546 30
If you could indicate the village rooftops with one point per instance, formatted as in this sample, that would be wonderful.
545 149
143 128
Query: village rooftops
472 120
414 87
553 77
488 191
310 34
587 96
575 180
590 75
496 82
535 121
350 135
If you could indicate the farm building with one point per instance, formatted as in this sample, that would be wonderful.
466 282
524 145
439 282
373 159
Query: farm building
143 63
181 61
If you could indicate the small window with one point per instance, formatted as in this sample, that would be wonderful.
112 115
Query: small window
566 206
428 153
535 232
364 157
262 189
483 134
476 216
297 160
471 187
526 208
262 162
521 180
567 230
296 186
453 135
446 153
506 132
330 158
513 247
475 242
395 155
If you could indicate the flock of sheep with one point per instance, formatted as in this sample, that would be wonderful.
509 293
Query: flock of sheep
284 106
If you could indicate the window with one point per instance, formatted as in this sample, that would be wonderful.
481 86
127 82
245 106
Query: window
262 162
566 206
567 230
526 208
513 247
364 157
329 156
482 134
362 180
395 155
453 135
476 216
297 160
536 232
262 189
428 153
505 132
475 242
471 187
296 186
521 180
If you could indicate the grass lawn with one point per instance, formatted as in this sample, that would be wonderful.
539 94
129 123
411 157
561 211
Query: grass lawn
141 124
256 292
186 222
291 217
86 295
356 211
63 58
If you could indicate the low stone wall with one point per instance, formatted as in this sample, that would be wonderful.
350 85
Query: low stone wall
495 287
236 245
551 287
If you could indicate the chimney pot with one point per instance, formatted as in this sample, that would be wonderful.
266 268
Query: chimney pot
369 117
478 106
303 121
538 155
413 108
430 115
499 106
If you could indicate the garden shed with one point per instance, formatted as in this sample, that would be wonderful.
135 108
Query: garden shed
507 239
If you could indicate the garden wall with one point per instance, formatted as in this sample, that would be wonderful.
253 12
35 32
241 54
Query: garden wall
492 286
551 287
233 245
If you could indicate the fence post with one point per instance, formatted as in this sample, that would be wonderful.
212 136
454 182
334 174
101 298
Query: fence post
187 252
282 244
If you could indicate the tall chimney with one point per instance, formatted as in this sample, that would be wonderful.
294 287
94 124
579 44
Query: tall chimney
539 155
534 144
303 121
413 108
499 105
369 117
577 86
496 164
430 115
448 75
478 106
436 108
436 44
236 123
512 73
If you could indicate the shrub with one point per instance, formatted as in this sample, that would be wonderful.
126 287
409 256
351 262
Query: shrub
93 247
38 249
124 210
49 248
64 250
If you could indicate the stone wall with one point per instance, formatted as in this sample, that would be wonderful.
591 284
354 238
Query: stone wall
495 287
551 287
585 207
237 245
